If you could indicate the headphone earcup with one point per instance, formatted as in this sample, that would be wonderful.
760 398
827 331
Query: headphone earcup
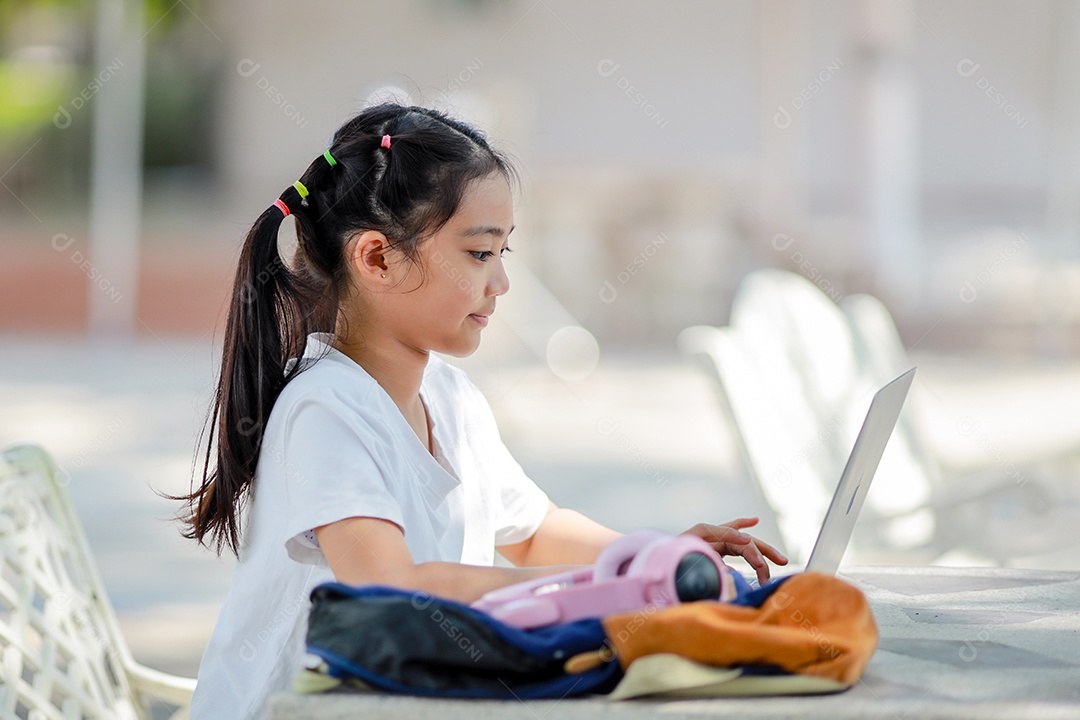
678 568
643 564
698 577
615 559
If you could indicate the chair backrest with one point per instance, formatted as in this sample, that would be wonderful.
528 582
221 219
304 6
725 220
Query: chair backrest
63 654
810 358
770 427
816 333
909 469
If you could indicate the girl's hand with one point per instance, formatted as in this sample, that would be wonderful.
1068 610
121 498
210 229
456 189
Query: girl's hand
727 540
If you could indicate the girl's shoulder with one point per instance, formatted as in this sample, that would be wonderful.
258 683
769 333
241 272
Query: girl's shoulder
325 379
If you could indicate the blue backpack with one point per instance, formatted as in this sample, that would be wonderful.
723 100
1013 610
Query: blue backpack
411 642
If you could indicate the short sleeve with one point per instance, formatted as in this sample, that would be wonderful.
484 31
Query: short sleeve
332 467
520 504
523 504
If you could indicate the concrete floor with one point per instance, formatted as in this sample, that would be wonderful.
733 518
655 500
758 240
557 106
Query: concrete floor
640 442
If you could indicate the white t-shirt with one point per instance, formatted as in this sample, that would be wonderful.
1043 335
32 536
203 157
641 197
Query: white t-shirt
337 446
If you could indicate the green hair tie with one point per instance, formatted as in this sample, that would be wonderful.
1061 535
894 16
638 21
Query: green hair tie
300 189
329 158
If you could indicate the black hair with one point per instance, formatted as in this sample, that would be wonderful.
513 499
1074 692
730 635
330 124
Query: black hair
407 192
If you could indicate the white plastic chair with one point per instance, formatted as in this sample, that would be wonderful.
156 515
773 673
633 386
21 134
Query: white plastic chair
63 654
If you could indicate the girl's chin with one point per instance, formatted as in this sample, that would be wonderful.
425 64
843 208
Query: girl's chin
461 345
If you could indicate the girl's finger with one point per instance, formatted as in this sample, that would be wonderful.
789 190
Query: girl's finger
753 556
720 534
742 522
770 552
730 534
763 547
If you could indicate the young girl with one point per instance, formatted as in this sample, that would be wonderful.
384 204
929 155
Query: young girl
349 448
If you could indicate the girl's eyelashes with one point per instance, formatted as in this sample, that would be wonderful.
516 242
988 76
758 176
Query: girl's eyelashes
483 255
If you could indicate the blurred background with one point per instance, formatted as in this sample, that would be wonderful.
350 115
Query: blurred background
921 154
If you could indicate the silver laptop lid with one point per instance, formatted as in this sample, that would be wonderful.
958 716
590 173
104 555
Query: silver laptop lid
839 523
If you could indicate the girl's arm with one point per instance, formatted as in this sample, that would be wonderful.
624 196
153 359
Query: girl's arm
565 536
568 536
363 551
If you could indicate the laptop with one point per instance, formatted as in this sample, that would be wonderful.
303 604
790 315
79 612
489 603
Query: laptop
847 501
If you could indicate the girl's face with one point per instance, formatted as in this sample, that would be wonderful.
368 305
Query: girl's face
448 307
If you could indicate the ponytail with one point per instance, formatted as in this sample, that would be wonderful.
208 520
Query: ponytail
407 189
268 314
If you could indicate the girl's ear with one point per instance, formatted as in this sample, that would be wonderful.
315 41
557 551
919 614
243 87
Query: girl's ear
368 255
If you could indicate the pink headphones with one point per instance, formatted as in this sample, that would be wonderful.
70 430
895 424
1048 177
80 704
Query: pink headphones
645 569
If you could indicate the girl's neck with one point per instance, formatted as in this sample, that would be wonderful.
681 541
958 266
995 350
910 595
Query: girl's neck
397 368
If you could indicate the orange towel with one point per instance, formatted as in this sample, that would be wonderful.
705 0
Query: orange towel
812 624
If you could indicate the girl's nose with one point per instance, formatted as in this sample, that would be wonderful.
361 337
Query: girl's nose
500 283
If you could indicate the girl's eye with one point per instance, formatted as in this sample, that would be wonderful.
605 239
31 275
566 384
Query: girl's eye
483 255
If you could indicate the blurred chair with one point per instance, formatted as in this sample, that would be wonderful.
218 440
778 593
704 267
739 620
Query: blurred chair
63 654
795 374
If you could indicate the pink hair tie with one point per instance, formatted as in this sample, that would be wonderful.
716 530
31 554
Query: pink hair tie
280 205
386 141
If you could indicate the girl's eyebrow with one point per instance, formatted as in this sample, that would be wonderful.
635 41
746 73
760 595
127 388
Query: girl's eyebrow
486 230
